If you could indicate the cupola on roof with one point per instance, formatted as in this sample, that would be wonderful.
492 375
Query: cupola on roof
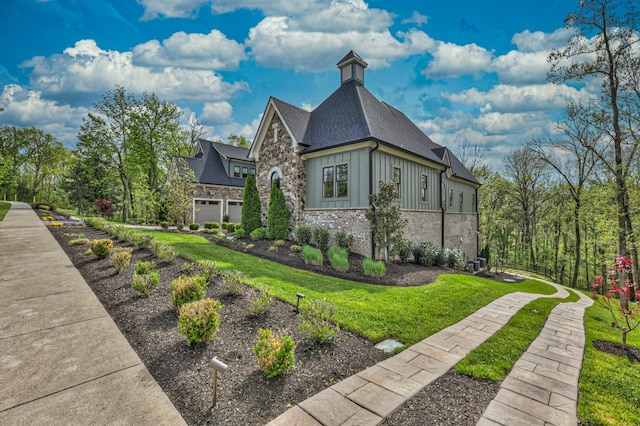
352 68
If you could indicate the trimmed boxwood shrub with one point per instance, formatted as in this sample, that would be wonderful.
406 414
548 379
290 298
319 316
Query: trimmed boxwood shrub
259 234
101 248
199 320
321 236
194 226
303 235
187 289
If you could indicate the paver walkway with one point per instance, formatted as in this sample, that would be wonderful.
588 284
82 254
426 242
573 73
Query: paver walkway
63 360
542 387
366 398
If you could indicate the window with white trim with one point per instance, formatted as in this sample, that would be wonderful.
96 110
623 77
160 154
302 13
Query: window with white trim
423 188
335 181
236 171
397 177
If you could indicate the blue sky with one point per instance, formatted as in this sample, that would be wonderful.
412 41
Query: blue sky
465 71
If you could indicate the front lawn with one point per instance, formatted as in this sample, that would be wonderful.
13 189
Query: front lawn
408 314
4 208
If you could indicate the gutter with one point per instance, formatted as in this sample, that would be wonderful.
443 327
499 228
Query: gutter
373 207
443 202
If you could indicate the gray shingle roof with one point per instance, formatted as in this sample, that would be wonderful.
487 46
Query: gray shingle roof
208 167
295 118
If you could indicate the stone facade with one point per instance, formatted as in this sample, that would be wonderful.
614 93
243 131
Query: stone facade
461 233
282 155
218 192
423 226
351 221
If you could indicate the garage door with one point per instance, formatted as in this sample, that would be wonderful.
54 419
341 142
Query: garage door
235 211
208 211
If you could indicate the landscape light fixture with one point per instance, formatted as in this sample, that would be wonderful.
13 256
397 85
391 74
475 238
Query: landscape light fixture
300 296
217 365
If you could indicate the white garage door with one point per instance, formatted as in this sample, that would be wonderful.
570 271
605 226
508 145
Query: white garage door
208 211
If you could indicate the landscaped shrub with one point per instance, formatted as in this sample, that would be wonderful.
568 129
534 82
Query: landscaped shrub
139 239
240 232
194 226
404 251
101 248
121 258
343 240
211 225
278 215
453 258
199 320
318 321
272 249
225 226
303 235
295 248
145 284
251 206
275 354
164 225
78 242
279 243
208 269
232 283
187 268
260 305
374 269
321 237
163 252
258 234
186 289
225 218
338 258
312 256
145 267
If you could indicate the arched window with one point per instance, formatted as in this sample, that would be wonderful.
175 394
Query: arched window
275 177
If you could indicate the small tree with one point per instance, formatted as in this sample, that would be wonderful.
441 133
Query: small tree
278 215
386 219
180 187
251 209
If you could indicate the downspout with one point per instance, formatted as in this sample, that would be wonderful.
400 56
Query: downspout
477 226
373 207
443 202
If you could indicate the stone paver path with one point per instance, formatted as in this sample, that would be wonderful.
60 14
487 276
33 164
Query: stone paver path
542 387
366 398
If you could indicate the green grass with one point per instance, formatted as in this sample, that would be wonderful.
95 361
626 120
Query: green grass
494 358
608 384
4 208
409 314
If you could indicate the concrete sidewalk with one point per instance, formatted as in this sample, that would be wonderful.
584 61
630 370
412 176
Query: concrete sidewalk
370 396
63 361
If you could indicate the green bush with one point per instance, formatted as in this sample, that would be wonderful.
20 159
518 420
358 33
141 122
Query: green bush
121 258
225 226
279 243
260 305
404 251
211 225
318 322
101 248
187 289
258 234
273 249
344 241
295 248
199 320
240 232
145 284
78 242
140 239
338 258
163 252
194 226
187 268
312 256
303 235
209 269
231 227
374 269
321 237
275 354
278 215
164 225
232 283
145 267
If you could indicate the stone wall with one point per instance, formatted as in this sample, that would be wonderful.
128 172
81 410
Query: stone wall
216 192
283 155
461 233
350 221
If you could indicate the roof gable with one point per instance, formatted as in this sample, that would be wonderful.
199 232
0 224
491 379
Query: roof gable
208 168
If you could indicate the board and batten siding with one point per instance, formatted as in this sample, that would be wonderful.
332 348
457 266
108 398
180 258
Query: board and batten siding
357 162
454 187
410 181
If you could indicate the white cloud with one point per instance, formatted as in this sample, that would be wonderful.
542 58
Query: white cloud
538 41
217 112
451 60
416 18
26 108
213 51
522 67
85 68
170 8
508 98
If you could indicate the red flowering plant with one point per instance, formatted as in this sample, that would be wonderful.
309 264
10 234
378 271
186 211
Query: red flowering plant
626 315
104 207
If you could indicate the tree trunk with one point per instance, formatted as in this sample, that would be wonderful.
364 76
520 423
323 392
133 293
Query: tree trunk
576 269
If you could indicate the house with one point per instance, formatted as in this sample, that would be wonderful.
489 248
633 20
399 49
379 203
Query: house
221 170
329 160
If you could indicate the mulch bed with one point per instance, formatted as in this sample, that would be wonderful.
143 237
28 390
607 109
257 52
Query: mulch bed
632 353
245 396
